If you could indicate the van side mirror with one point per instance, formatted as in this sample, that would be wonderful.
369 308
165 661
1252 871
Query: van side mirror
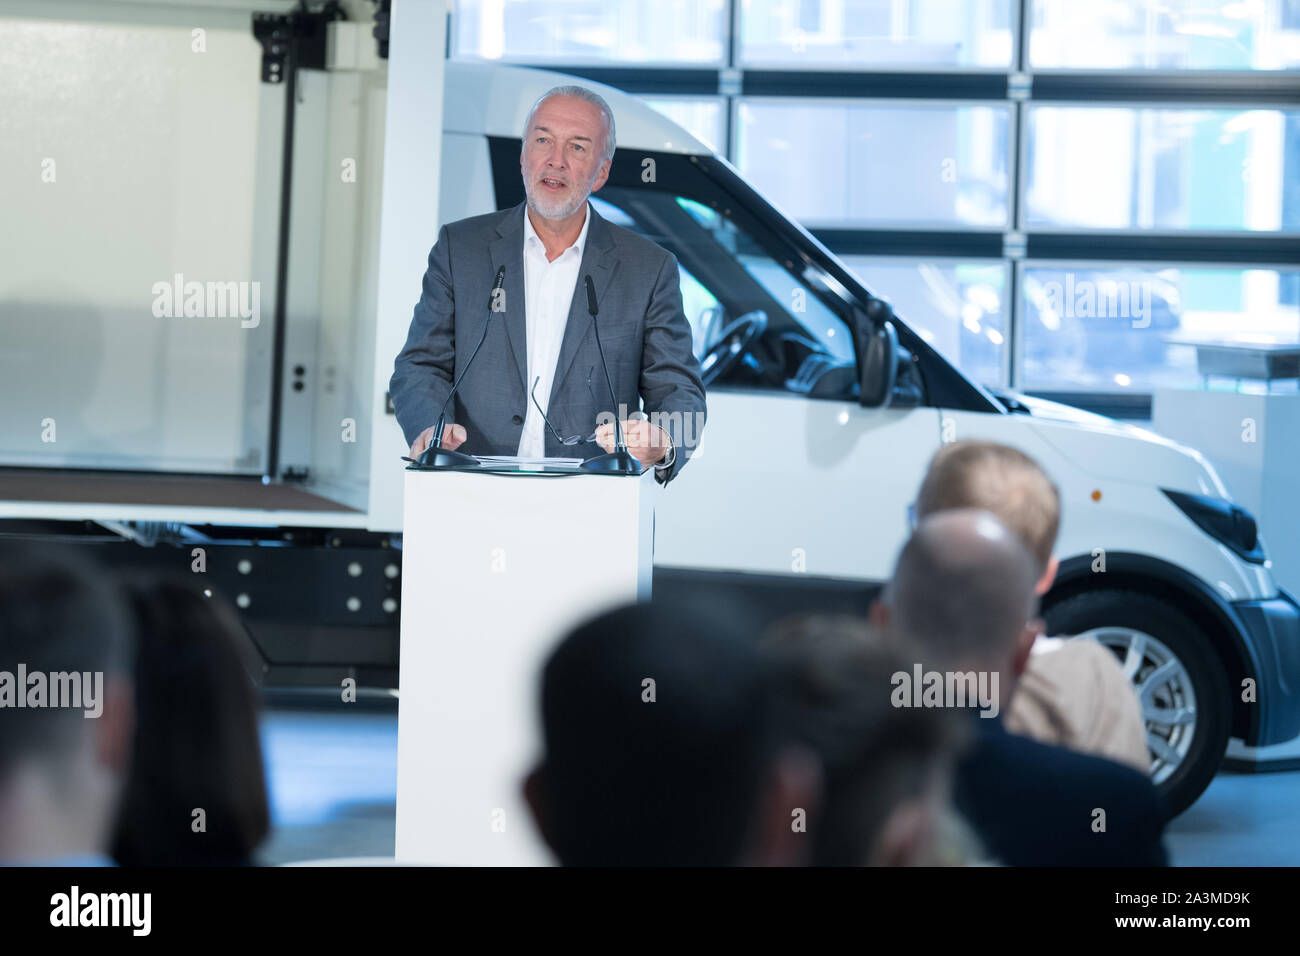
877 353
889 375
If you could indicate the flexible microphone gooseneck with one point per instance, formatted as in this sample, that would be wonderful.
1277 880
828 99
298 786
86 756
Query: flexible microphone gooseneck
620 461
435 456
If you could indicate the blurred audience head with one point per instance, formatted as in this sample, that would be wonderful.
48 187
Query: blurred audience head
196 794
1004 481
963 596
65 706
886 770
661 745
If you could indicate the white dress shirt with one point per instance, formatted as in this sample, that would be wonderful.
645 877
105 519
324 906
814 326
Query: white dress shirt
548 293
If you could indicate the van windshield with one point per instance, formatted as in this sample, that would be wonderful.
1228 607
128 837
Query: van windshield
731 285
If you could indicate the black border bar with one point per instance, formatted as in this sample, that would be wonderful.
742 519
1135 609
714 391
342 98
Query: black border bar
1245 249
950 85
641 80
911 242
1266 89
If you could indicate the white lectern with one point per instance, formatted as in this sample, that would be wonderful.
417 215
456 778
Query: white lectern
495 568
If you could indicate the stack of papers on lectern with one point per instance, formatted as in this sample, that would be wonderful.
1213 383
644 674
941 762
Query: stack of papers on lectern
516 461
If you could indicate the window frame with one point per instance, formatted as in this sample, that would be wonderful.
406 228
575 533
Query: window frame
1138 104
881 102
1116 396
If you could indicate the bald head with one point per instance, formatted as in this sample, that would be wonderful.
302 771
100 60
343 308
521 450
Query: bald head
963 587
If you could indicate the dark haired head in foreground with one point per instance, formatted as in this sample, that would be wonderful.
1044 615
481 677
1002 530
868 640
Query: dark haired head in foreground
661 746
197 746
65 647
886 769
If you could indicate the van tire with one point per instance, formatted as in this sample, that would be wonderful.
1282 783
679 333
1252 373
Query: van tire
1165 630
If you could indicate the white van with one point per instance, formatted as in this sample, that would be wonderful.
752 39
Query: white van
822 421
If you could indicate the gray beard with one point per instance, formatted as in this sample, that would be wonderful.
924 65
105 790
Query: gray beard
546 210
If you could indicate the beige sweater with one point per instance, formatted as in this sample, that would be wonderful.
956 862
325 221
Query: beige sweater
1075 694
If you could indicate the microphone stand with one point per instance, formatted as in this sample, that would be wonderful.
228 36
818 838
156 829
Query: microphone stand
435 456
619 461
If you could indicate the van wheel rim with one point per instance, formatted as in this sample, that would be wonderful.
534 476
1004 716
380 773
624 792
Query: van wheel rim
1164 689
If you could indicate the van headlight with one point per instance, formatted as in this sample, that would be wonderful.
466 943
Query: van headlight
1223 521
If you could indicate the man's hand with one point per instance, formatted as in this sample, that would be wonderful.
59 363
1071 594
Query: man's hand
647 443
453 436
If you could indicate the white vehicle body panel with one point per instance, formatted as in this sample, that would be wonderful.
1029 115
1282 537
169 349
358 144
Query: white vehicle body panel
782 484
1128 467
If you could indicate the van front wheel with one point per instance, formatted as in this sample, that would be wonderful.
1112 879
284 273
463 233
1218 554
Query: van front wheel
1178 678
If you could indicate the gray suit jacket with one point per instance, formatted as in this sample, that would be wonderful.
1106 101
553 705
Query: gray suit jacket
646 338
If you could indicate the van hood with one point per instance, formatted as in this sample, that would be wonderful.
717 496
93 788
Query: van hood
1117 451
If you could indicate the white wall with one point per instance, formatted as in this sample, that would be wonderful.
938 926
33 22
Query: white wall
128 156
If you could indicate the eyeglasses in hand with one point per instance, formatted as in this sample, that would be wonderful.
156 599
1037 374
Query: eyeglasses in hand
572 439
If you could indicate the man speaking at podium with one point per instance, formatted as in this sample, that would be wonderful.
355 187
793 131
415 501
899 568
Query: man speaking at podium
527 287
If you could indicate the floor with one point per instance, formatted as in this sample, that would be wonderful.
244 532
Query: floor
1240 820
333 782
332 776
153 488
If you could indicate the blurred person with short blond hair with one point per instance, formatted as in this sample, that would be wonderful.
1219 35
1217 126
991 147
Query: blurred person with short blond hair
1073 692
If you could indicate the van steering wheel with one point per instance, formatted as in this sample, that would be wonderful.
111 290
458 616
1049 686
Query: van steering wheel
733 341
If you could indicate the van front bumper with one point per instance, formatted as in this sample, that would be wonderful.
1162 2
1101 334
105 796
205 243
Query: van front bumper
1272 628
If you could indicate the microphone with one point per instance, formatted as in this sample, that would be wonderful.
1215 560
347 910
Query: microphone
435 456
620 461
